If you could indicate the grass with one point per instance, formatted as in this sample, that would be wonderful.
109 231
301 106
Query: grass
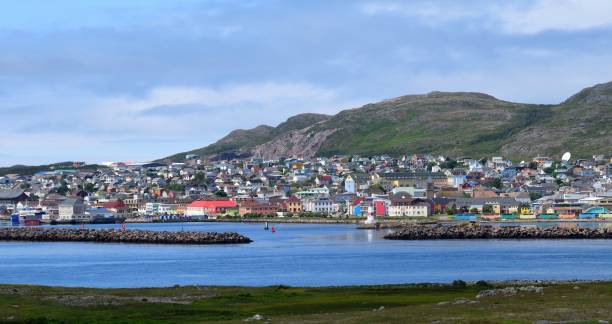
419 303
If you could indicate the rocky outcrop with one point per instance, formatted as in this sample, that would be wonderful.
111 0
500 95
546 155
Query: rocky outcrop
118 236
299 143
475 231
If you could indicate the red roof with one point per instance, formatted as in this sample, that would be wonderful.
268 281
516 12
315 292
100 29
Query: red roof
213 204
294 199
358 201
114 204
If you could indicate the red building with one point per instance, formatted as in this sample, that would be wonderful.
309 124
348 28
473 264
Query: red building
211 207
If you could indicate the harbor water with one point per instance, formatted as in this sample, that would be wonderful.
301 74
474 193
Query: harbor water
299 255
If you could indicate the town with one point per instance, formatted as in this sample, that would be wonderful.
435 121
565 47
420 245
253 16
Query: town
340 187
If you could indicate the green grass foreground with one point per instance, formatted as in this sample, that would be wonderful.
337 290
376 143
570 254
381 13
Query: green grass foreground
419 303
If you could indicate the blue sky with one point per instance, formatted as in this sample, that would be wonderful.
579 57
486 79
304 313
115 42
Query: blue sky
138 80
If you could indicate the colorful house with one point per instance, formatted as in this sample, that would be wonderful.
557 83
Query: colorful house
211 208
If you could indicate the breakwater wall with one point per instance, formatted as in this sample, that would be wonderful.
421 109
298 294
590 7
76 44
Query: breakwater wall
118 236
477 231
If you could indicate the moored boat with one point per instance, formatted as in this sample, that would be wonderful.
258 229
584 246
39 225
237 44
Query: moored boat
465 217
509 216
490 216
527 216
548 216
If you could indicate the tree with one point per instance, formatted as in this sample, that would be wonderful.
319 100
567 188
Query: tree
89 187
474 210
199 179
220 193
487 209
449 164
494 183
63 187
450 211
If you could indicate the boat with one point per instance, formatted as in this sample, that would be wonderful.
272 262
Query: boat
273 229
527 216
548 216
266 226
465 217
490 216
587 215
567 216
509 216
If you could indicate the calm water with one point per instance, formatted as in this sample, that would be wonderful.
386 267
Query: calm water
304 255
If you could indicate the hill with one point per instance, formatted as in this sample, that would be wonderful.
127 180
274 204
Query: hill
451 123
241 142
32 169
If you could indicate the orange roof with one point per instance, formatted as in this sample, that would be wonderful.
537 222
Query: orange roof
213 203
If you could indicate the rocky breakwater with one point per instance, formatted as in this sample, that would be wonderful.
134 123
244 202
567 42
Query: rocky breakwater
476 231
118 236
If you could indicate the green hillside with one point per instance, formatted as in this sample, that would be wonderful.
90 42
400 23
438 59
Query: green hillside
450 123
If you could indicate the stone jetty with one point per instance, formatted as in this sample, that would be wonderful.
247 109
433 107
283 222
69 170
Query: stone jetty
118 236
477 231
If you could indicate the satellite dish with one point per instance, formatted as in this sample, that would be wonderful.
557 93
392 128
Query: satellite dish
566 156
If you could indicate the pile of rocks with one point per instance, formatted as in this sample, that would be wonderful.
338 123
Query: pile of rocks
477 231
118 236
510 291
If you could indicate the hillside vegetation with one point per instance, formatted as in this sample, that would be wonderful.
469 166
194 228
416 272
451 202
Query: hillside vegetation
451 123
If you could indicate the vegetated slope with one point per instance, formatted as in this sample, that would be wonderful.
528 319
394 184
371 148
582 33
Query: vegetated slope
582 124
240 142
450 123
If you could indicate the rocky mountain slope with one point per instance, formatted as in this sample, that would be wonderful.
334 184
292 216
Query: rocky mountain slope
452 123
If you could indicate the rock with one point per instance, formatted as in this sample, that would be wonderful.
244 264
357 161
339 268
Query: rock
255 317
576 288
442 303
509 291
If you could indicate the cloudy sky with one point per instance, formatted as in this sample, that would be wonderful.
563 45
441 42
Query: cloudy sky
141 79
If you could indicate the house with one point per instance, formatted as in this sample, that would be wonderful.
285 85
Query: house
11 197
412 179
320 205
323 180
402 204
72 209
211 208
294 205
356 182
117 207
254 207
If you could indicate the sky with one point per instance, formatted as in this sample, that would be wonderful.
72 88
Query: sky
137 80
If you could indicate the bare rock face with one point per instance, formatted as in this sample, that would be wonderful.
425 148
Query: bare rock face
299 143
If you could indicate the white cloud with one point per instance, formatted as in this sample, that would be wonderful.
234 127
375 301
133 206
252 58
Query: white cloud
427 12
97 128
566 15
533 18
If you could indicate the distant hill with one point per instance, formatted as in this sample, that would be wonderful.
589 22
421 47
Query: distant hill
451 123
240 142
32 169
